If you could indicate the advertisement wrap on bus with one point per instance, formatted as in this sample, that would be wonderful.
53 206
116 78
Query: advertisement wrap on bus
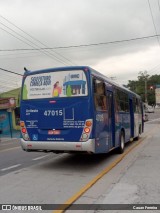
73 109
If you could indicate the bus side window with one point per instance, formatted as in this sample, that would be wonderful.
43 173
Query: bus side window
100 99
136 105
122 101
100 102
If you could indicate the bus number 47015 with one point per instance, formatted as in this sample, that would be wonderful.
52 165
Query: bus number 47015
53 112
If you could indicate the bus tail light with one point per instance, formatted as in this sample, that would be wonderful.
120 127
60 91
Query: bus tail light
88 123
86 130
24 131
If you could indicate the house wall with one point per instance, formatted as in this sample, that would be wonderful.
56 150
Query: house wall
14 116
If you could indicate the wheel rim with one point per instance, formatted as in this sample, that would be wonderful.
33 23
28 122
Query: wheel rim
122 142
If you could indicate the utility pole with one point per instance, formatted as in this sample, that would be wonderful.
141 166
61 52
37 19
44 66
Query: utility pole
145 80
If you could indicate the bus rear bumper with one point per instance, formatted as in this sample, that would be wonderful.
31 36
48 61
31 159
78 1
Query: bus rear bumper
58 146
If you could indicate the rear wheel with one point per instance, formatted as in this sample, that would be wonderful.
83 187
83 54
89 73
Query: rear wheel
136 138
121 144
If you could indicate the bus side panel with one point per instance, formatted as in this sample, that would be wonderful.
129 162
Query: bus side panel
102 136
138 119
122 122
117 127
131 117
126 125
103 132
136 124
104 126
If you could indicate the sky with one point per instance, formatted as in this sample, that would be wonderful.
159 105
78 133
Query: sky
34 24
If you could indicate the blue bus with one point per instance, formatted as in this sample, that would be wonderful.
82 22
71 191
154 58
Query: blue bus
77 109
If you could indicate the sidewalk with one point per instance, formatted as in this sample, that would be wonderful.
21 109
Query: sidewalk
7 137
3 140
135 180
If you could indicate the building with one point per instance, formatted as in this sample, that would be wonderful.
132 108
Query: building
10 112
157 94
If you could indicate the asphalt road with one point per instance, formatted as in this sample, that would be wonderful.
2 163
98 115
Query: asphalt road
155 115
50 179
13 158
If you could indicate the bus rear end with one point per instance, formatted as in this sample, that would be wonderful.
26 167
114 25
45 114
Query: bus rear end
56 111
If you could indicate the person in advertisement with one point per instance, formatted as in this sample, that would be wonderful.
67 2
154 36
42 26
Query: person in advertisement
57 89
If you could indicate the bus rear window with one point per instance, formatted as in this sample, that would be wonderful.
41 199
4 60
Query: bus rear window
55 84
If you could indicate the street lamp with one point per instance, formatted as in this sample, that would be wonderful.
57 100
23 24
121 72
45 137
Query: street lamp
145 77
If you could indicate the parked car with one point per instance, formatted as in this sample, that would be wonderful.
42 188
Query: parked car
149 109
157 107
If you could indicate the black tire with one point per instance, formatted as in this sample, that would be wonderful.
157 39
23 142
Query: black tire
120 149
136 138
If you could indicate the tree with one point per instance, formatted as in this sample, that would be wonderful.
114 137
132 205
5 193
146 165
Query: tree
143 86
143 77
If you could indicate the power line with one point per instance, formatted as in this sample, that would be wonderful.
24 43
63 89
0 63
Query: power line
8 75
50 54
13 54
153 21
18 57
158 5
16 73
155 69
31 45
24 38
84 45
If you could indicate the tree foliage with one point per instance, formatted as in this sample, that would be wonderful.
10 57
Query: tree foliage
138 86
